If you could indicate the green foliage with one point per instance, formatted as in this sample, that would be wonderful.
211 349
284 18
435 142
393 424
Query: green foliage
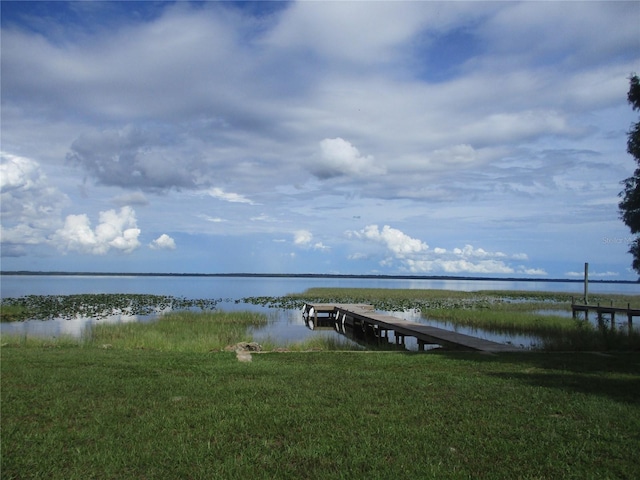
110 414
630 204
391 299
510 312
14 313
180 332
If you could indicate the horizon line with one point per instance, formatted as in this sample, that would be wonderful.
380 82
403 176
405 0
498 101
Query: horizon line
312 275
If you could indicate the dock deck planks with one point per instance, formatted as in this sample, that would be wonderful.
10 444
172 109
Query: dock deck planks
425 334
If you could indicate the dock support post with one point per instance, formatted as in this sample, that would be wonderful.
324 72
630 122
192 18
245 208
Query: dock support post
586 283
420 345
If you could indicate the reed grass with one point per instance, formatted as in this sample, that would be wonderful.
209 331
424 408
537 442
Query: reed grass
180 331
318 342
14 313
506 320
27 341
399 299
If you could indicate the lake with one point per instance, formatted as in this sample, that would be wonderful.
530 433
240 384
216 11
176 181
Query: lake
286 325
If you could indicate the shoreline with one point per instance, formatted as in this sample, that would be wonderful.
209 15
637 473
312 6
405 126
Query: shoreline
314 275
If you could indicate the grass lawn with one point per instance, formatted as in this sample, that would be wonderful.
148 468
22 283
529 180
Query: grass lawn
78 412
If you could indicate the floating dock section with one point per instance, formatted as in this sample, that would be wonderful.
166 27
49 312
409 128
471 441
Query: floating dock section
367 320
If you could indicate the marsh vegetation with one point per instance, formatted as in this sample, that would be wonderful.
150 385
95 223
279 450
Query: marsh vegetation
197 325
546 316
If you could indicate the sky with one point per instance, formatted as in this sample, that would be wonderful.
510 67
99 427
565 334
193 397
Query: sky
343 137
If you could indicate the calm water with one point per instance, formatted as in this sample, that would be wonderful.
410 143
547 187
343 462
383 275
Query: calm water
286 324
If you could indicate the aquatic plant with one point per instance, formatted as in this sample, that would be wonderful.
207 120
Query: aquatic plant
101 305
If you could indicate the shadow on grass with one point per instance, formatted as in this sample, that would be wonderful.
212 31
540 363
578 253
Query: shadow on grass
625 390
615 375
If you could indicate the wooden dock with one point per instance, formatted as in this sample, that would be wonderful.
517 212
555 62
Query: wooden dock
367 320
602 310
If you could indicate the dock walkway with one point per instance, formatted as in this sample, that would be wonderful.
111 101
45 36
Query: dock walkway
367 319
602 310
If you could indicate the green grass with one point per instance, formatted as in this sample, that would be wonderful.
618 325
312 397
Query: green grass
180 331
318 342
14 313
76 413
501 319
556 333
397 299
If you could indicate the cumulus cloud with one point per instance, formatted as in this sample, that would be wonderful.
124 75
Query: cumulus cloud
116 230
304 239
338 157
415 256
30 206
399 243
163 242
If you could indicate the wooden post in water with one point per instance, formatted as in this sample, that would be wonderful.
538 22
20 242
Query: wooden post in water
586 283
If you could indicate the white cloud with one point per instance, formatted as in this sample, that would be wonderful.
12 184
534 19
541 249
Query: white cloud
458 266
346 32
211 219
30 206
400 244
592 274
302 237
321 246
228 196
263 217
413 255
533 271
339 157
116 230
163 242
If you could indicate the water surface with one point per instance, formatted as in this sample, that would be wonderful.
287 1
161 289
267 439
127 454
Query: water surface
287 325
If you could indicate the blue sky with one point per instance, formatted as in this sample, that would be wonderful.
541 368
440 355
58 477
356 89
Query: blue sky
436 138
